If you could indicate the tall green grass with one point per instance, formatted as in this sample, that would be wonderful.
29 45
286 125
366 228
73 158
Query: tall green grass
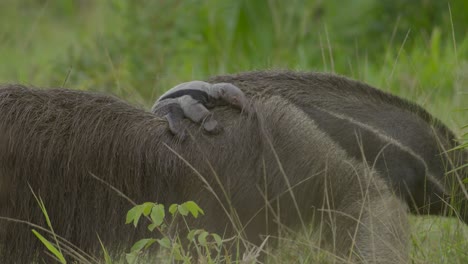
138 49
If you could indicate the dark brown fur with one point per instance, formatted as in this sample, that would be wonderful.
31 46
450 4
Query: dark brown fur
399 138
53 139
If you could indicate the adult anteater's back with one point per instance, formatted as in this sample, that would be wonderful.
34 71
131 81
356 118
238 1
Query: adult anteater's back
409 147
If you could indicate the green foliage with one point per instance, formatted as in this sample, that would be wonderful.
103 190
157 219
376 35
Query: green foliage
186 208
139 49
56 252
203 241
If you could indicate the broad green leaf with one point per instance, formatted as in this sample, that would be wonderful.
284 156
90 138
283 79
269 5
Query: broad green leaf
182 210
158 214
465 180
134 215
173 209
150 243
217 238
131 257
202 238
192 234
50 247
152 226
164 242
177 254
147 208
143 243
193 208
131 215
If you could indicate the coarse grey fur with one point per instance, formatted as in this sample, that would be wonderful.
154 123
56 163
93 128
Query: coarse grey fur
276 158
400 139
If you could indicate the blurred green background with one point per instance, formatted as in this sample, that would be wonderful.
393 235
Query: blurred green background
137 49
